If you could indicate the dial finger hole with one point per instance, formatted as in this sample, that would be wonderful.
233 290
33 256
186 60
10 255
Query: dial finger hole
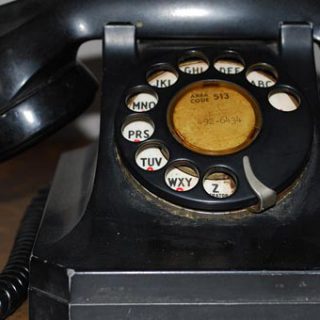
262 75
138 128
152 157
230 63
142 101
219 184
194 63
163 76
182 177
285 100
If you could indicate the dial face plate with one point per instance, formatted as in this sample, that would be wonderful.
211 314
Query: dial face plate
188 120
214 118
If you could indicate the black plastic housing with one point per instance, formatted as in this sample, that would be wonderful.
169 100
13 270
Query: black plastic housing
107 249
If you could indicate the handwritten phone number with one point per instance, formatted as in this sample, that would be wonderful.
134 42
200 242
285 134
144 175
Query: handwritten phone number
211 120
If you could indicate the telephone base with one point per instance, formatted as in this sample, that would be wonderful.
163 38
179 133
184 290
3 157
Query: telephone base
119 265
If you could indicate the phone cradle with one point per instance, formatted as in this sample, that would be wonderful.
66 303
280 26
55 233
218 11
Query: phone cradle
117 242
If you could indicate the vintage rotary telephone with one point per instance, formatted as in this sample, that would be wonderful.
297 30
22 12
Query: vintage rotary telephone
201 200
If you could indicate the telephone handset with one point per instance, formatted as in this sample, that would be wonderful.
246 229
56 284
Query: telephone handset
204 180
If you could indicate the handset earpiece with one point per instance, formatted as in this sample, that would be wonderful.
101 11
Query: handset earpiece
44 106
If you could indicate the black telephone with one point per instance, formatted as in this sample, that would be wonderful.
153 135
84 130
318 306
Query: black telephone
201 199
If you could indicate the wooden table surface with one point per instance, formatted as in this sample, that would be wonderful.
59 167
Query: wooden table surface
20 178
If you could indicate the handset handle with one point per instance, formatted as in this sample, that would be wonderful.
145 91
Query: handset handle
55 29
